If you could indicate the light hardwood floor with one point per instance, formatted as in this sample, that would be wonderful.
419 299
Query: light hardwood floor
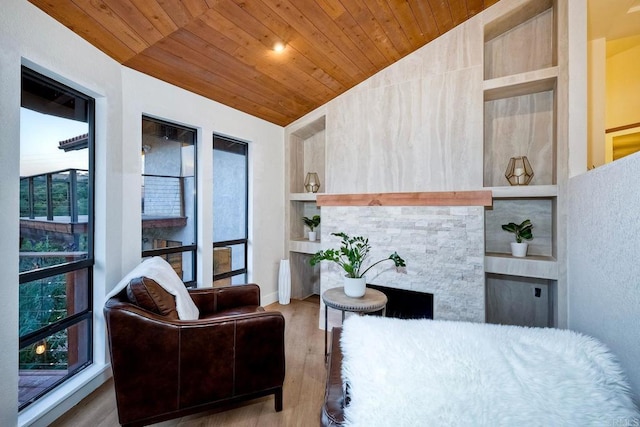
303 386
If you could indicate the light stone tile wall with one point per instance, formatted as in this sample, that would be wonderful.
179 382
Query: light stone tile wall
416 125
442 246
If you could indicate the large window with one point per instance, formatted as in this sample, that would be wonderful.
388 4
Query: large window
169 195
230 202
56 235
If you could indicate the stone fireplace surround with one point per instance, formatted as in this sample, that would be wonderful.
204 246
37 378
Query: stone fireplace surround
443 246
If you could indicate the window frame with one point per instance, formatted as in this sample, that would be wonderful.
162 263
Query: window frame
245 240
193 248
68 267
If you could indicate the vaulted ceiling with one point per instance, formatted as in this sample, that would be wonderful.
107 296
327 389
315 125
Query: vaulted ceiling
224 49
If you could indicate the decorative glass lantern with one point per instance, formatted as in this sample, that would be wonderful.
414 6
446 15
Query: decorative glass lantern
312 182
519 171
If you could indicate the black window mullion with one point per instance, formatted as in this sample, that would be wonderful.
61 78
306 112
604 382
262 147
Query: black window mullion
53 328
43 273
224 243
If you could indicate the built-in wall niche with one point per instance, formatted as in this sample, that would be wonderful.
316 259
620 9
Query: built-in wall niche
306 149
522 301
305 278
299 210
307 154
541 213
527 34
518 122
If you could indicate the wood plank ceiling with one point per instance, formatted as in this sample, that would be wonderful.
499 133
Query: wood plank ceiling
223 49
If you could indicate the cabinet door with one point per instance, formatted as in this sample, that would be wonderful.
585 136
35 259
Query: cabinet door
521 301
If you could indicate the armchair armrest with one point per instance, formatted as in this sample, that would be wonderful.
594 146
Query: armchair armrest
213 300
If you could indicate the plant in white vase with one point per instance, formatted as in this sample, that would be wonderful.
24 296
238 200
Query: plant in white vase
350 257
312 223
522 232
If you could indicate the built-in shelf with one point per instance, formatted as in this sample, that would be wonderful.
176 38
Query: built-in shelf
520 93
522 40
531 266
518 191
306 146
541 212
302 197
507 22
520 84
529 133
304 246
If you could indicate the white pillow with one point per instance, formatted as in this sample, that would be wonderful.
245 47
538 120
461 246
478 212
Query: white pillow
156 268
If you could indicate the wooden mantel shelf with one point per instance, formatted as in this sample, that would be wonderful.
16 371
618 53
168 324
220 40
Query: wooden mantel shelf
440 198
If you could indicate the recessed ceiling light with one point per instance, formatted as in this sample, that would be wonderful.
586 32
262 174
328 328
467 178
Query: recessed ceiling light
278 47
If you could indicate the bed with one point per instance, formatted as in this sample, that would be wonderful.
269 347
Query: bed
385 371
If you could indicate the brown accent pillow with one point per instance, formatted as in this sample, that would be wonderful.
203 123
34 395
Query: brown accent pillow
148 294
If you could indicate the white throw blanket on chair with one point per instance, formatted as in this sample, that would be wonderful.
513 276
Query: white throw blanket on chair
159 270
438 373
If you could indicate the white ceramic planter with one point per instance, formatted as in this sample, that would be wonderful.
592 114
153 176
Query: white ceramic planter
519 249
355 288
312 236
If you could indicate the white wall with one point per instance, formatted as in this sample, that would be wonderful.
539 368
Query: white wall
623 86
603 267
54 51
122 95
144 95
597 96
9 152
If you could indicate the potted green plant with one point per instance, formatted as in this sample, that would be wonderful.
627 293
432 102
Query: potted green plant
350 257
522 232
312 223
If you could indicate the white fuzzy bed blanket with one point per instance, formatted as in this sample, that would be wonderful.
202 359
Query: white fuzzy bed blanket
438 373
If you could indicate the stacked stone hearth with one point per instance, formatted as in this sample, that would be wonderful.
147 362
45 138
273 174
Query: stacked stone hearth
442 246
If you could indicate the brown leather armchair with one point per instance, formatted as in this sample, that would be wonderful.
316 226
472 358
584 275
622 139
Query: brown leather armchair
165 368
